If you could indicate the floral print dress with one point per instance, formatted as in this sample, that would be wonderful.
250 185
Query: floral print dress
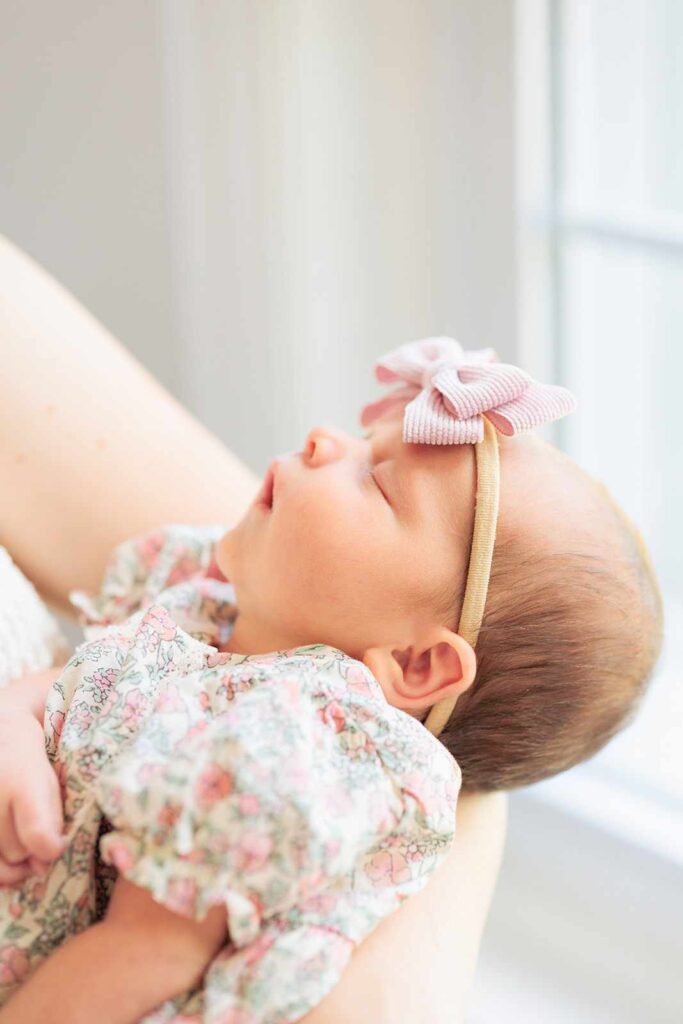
281 786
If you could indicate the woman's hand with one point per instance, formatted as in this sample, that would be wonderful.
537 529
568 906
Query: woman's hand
30 800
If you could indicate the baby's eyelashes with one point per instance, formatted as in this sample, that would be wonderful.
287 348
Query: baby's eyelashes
369 478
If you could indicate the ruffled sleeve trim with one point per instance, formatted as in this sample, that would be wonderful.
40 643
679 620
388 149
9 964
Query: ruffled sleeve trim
140 568
190 891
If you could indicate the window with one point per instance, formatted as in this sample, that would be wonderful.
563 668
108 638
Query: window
601 256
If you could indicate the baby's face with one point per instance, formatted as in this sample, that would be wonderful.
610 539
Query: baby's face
361 535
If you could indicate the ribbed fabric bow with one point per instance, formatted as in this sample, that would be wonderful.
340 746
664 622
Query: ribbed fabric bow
451 388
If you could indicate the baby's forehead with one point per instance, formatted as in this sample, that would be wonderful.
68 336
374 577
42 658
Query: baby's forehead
531 468
386 435
544 494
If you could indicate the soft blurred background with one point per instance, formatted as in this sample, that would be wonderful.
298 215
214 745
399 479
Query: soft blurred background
260 198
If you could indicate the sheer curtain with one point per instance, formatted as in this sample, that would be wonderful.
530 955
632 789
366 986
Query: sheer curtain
342 181
253 193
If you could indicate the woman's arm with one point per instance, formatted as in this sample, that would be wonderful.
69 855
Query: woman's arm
402 973
93 449
159 954
417 967
87 429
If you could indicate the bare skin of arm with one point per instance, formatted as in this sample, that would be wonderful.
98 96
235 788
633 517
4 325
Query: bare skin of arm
81 981
417 967
94 451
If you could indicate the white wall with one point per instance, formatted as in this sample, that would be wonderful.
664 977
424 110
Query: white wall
585 928
83 169
345 184
262 198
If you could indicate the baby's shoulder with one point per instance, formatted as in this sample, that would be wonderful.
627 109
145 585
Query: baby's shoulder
343 694
325 670
317 673
371 737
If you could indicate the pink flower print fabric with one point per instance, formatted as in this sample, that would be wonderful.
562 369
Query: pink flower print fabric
173 566
282 787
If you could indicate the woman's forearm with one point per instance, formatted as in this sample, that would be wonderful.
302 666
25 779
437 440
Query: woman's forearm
99 975
75 984
418 964
120 969
94 449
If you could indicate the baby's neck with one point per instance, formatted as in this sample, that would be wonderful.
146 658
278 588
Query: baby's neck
251 638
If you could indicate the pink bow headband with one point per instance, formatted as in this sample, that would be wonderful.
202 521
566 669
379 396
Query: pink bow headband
460 396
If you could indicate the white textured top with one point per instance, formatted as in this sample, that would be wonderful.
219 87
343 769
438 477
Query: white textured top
30 637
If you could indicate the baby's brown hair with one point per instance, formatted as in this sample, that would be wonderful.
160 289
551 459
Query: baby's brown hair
568 642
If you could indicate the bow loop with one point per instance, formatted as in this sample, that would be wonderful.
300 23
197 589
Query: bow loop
449 389
477 388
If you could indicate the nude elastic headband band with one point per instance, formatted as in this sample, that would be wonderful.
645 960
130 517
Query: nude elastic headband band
481 557
457 396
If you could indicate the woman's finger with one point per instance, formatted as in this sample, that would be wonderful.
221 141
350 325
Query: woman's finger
12 850
38 867
38 816
10 874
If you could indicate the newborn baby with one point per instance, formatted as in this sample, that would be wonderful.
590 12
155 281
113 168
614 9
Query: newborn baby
370 554
292 695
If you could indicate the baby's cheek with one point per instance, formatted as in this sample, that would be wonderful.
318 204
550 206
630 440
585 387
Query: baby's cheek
317 547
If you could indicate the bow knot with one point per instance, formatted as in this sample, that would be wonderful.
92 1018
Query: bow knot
429 373
449 389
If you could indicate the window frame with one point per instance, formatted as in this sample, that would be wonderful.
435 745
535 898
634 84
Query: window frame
598 793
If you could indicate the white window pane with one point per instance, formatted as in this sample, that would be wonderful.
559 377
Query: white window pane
621 110
622 313
622 354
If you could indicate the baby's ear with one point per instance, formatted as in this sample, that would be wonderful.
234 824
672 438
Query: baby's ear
439 664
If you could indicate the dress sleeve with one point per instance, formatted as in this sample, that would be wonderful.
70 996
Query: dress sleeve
139 569
258 810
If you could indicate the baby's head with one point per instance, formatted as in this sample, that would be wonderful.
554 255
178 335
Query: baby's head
365 547
572 629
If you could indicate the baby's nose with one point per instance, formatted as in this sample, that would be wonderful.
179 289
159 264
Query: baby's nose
323 445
